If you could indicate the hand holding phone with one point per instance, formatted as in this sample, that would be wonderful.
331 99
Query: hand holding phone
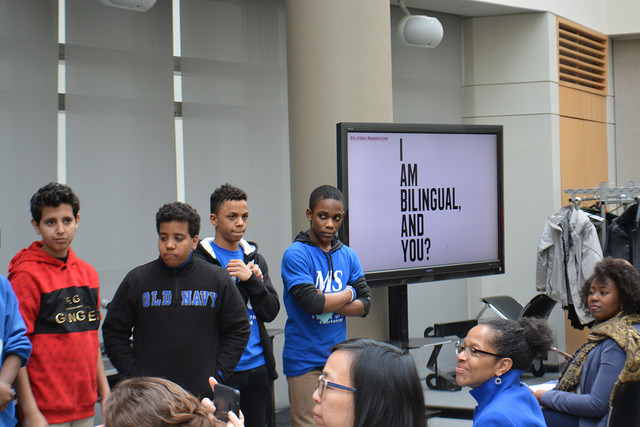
226 399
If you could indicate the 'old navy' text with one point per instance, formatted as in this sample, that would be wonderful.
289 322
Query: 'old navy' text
189 298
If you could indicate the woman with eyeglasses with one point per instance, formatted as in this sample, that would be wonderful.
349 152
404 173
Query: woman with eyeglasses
369 383
611 354
491 360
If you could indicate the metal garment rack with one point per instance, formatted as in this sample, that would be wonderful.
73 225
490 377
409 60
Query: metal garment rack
606 196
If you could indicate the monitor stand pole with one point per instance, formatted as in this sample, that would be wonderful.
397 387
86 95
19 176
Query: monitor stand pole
398 314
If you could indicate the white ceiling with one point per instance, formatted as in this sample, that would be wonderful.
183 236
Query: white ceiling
462 7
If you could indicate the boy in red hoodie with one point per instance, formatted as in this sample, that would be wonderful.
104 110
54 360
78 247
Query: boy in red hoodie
59 301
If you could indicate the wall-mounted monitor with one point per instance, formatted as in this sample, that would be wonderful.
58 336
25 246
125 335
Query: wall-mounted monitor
423 202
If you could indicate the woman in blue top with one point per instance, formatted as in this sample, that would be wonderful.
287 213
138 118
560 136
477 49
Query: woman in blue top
491 360
611 354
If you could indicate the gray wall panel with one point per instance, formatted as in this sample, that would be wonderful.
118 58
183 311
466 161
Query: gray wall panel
626 79
120 132
28 100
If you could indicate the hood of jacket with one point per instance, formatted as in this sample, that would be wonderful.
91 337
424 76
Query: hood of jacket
250 249
629 219
34 253
303 237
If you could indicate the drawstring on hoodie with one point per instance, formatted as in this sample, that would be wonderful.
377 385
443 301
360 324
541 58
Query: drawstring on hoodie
330 260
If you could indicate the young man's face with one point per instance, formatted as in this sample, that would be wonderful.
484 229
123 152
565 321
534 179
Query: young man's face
57 227
326 218
174 243
230 223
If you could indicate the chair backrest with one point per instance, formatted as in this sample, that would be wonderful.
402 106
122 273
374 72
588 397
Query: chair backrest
539 306
459 328
625 410
505 306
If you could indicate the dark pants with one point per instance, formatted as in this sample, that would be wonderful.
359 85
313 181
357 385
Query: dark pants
559 419
255 395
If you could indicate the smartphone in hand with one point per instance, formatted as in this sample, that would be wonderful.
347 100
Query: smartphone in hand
226 399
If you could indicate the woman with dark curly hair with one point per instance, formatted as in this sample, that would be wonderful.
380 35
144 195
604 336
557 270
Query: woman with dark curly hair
611 354
157 402
491 360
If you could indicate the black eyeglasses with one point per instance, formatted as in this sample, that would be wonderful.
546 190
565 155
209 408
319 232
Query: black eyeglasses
472 351
323 384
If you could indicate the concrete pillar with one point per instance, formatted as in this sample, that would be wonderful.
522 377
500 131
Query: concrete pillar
339 69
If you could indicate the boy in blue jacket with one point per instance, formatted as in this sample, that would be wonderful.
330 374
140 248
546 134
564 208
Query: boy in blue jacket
15 349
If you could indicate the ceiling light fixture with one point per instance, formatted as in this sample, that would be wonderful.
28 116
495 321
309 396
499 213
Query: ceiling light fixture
137 5
419 30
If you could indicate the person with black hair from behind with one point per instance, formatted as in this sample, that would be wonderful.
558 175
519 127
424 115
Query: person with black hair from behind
257 369
186 317
491 360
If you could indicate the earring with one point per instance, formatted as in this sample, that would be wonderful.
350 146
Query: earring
498 380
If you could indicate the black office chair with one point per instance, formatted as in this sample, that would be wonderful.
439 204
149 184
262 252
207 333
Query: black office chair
625 410
507 307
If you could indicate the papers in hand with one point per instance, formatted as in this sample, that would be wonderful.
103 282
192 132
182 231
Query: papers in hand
549 385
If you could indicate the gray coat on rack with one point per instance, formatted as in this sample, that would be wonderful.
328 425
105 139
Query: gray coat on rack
568 250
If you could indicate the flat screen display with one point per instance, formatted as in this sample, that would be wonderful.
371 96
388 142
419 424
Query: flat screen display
422 202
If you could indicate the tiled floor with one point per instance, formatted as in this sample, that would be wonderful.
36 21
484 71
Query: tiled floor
282 418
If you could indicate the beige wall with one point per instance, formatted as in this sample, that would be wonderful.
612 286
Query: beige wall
510 78
339 70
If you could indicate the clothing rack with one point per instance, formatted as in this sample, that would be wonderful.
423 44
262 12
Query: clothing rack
606 196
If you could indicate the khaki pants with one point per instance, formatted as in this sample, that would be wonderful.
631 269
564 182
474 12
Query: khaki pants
301 390
87 422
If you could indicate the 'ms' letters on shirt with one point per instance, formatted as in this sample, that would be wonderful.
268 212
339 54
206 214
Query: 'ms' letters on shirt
326 285
194 298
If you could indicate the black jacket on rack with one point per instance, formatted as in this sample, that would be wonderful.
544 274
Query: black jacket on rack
623 236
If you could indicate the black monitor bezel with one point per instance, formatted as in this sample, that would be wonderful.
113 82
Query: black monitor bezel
436 273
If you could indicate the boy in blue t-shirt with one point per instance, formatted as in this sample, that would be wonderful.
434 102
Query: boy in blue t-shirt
256 370
323 283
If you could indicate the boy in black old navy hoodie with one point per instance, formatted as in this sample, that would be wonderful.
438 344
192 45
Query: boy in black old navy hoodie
59 301
186 316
